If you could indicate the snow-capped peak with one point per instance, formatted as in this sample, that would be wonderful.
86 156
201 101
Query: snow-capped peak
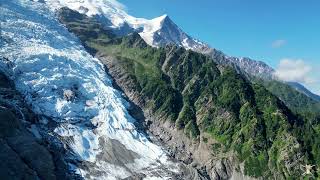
163 17
156 32
149 27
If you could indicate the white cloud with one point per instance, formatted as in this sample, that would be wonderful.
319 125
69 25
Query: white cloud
278 43
295 70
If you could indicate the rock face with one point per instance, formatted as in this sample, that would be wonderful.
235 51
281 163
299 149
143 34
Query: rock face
247 66
22 154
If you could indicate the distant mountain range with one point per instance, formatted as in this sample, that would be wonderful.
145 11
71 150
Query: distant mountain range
299 87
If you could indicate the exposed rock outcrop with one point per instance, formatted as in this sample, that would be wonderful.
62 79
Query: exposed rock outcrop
23 154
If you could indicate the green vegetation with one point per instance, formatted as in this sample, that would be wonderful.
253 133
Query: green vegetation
296 101
191 91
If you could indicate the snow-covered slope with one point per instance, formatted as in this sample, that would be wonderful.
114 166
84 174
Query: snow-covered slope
156 32
71 93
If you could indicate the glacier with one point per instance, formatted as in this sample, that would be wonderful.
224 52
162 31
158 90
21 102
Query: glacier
64 84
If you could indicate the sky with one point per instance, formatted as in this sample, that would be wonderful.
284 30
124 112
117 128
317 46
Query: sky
283 33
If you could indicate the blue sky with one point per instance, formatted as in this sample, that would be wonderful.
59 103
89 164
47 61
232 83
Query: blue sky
283 33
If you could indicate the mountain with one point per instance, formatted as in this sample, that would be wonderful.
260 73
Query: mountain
297 101
157 32
77 108
83 95
299 87
227 126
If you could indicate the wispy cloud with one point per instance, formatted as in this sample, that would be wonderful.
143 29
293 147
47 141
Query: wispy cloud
295 70
279 43
117 4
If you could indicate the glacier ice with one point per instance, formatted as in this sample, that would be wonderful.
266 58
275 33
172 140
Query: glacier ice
63 83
